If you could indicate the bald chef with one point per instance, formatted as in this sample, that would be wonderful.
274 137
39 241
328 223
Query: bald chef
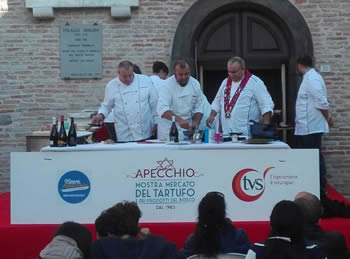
134 100
242 97
182 97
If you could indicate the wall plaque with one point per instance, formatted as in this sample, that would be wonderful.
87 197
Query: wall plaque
81 51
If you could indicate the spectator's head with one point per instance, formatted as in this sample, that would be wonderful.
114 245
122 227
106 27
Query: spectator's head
182 72
304 63
287 220
78 232
212 209
310 206
121 219
160 69
126 72
211 222
65 236
235 68
137 69
286 237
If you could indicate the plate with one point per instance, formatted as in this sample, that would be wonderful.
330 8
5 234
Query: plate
257 141
179 143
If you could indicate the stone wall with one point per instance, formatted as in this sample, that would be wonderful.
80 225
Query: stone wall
31 91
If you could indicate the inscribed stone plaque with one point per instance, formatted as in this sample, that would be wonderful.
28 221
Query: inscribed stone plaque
81 51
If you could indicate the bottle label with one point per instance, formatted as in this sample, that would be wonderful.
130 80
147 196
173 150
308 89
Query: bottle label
61 143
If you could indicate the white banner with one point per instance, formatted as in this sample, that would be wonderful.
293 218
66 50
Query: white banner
53 187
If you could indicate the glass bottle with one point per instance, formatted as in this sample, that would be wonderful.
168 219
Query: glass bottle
173 133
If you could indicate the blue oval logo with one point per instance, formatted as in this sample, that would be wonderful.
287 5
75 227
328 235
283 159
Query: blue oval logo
74 187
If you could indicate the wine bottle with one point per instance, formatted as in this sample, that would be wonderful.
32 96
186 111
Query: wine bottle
174 133
72 134
53 133
62 135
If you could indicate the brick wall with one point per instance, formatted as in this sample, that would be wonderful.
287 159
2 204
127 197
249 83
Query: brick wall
31 90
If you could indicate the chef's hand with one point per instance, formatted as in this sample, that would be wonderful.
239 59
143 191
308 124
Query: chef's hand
194 126
97 119
154 131
184 124
209 121
330 122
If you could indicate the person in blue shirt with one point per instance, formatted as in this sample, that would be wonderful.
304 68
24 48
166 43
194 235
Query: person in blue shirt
214 232
286 238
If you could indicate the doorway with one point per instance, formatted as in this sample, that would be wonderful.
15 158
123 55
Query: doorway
269 35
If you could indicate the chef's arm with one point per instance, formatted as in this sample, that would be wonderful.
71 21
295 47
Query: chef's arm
211 118
183 123
196 120
267 117
329 119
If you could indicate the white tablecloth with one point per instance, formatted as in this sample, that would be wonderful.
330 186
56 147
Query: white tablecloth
149 146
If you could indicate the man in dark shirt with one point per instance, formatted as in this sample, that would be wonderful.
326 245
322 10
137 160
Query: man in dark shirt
332 243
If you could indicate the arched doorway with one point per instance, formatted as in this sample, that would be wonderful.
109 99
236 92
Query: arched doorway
268 34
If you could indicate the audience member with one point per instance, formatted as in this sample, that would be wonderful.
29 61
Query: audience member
332 243
214 232
286 238
119 236
71 241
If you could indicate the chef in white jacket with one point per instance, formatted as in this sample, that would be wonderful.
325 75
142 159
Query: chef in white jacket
133 99
242 97
181 97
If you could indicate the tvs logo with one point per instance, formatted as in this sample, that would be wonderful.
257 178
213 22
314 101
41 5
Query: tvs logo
249 184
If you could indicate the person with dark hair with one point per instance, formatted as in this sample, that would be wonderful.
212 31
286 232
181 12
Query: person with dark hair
214 232
286 238
71 241
160 72
241 98
181 97
160 69
133 99
137 69
312 119
119 236
332 243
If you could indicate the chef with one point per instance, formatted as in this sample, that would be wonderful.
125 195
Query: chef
133 99
181 96
241 97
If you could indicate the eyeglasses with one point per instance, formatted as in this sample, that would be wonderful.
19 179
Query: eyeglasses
217 193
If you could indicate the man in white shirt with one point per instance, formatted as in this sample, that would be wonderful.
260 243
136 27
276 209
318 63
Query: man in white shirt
241 97
134 101
181 97
311 111
160 72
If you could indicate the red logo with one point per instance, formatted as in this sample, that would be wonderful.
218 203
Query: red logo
249 184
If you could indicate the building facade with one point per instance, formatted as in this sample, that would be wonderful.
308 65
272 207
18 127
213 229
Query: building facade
268 34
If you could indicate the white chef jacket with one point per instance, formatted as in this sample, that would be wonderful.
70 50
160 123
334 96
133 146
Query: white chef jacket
135 107
253 102
206 113
157 82
182 101
312 96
